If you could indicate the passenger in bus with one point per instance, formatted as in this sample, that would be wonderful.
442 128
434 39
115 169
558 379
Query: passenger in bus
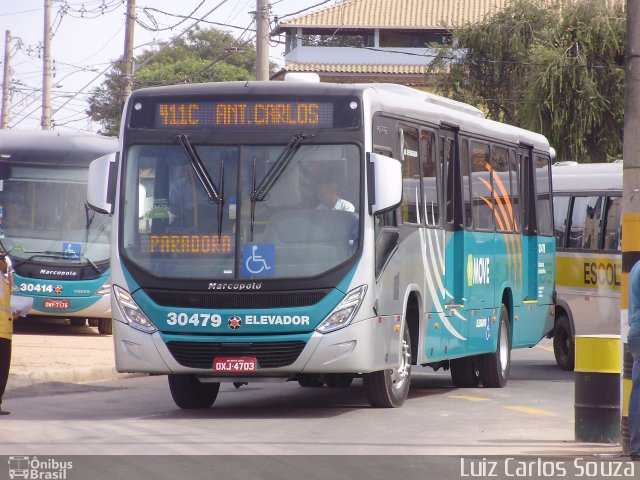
330 200
633 339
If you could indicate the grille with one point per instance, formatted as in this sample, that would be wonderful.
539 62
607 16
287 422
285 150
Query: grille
237 300
268 354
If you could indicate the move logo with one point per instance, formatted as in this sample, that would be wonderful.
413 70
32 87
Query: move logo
478 270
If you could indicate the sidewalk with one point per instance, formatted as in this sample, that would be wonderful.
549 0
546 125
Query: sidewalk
50 351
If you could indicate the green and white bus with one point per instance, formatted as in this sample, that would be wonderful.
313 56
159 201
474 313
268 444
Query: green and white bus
229 266
58 246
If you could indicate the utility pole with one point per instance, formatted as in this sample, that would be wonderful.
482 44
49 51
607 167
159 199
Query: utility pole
45 121
630 191
127 63
262 39
6 79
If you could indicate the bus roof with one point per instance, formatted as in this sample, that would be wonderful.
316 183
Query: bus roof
586 177
45 147
391 98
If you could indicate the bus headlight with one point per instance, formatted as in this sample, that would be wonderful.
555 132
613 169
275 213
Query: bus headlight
132 313
344 312
105 289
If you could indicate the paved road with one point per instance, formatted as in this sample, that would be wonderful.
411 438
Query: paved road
532 416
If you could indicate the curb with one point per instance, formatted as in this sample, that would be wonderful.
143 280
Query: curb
66 375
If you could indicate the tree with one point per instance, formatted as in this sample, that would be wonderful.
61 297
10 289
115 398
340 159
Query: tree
202 55
549 66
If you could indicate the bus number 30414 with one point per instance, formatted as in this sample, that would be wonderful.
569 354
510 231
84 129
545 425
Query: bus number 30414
196 319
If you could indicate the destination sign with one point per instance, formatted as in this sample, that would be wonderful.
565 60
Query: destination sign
244 115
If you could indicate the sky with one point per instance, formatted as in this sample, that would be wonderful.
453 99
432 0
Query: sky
89 35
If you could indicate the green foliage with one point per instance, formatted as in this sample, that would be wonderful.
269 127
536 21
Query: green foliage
549 66
199 56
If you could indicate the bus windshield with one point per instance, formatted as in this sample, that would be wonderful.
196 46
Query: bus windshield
282 212
44 217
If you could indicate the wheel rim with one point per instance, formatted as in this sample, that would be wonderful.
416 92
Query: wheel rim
400 376
504 349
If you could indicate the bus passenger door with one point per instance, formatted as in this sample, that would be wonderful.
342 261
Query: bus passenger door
529 229
456 328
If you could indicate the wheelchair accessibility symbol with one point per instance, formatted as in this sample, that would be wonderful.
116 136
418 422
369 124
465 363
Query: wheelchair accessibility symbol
258 259
71 250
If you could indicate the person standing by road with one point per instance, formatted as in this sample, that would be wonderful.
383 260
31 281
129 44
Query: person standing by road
6 326
10 307
633 339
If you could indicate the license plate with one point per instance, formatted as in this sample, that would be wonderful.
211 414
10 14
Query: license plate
232 365
49 303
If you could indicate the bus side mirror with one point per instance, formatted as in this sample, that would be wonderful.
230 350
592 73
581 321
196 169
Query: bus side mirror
384 183
101 187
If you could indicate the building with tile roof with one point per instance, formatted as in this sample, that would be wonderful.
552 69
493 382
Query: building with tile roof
375 40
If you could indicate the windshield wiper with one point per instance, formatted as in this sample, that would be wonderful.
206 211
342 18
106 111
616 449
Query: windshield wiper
199 168
260 193
60 255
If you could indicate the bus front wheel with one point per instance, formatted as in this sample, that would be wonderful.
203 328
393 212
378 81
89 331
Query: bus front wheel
494 367
105 326
389 388
563 344
189 393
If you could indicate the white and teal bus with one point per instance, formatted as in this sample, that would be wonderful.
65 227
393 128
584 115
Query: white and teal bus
229 264
58 246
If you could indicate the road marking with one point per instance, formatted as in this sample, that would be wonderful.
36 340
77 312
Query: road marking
469 397
532 411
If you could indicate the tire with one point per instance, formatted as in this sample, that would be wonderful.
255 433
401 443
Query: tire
309 380
338 380
564 344
189 393
389 388
93 322
105 326
77 322
494 367
464 372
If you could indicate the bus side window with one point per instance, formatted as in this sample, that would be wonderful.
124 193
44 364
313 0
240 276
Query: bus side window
482 192
430 182
503 212
612 225
466 183
514 172
411 207
585 223
560 211
592 224
543 198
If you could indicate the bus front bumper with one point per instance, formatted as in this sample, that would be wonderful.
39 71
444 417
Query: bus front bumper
365 346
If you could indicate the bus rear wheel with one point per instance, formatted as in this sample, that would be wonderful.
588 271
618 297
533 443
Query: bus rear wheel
494 367
189 393
563 344
464 372
389 388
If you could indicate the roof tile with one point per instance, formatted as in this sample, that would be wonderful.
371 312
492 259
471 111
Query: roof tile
397 14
